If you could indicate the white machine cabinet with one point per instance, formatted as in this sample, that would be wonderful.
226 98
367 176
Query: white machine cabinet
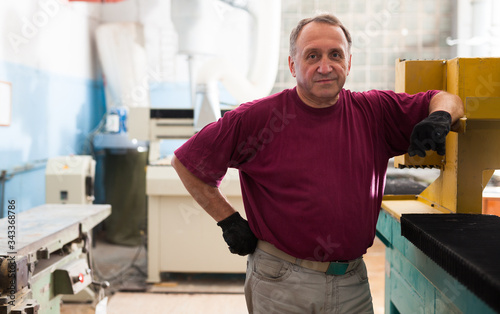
70 180
182 237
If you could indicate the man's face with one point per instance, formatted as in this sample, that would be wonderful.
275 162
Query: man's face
321 64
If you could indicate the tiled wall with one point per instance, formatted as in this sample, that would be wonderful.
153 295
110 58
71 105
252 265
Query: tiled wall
382 31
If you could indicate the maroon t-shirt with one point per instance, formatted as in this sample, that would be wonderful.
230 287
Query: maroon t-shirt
312 179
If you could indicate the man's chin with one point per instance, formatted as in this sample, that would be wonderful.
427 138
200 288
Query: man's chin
327 93
330 98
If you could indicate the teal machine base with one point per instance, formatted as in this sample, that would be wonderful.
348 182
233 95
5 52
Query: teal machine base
416 284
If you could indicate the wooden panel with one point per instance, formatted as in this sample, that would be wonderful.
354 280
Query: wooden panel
403 296
398 207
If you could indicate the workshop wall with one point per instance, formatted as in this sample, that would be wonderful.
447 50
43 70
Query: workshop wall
381 31
48 57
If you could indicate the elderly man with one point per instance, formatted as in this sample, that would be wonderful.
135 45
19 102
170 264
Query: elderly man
312 163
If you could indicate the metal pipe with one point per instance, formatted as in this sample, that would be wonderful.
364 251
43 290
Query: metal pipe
480 26
5 176
2 182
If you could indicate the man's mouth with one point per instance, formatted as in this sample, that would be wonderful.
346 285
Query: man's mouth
328 80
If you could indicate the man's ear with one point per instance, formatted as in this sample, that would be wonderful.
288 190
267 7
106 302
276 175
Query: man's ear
291 65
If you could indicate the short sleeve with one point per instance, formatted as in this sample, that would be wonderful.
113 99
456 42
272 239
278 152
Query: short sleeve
401 112
209 153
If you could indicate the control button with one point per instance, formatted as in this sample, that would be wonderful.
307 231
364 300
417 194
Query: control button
79 278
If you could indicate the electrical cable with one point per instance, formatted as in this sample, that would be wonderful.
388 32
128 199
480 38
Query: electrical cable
118 273
119 277
89 141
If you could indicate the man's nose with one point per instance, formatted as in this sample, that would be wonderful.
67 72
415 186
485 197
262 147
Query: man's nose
324 66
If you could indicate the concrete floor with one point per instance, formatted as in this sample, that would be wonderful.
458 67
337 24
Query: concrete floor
125 268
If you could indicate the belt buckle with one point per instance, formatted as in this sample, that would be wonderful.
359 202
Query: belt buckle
337 268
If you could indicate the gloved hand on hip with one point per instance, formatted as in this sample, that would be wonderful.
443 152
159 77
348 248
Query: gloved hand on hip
430 134
237 234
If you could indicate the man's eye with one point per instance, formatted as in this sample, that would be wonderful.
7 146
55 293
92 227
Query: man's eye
336 55
312 56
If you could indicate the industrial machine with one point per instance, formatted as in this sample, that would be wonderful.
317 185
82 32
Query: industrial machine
47 256
51 248
181 236
442 252
70 180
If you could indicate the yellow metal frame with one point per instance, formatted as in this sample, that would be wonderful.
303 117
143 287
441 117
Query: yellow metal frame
473 153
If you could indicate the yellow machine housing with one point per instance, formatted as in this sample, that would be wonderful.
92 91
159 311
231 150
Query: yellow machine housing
472 153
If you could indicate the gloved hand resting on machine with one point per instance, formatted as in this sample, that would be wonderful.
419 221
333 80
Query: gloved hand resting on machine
430 134
237 234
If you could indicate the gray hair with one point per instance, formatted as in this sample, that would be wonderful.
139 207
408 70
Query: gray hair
323 18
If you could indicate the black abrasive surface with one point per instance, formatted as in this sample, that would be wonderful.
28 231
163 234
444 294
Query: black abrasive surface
467 246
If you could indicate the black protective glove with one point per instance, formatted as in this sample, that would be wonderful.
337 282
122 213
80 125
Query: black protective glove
237 234
430 134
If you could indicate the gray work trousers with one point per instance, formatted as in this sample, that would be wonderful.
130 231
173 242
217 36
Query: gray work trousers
273 285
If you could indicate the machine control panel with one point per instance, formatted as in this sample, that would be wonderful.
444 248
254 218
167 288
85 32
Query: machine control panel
73 278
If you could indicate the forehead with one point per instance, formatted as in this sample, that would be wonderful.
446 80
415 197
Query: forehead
321 35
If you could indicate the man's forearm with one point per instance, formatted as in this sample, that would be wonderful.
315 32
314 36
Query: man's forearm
209 197
448 102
